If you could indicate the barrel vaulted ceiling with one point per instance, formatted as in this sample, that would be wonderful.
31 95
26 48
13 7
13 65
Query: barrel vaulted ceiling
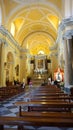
33 23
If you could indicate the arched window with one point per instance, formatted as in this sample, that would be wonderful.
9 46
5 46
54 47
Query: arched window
12 29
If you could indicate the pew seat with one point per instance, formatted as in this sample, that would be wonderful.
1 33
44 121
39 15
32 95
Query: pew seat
38 120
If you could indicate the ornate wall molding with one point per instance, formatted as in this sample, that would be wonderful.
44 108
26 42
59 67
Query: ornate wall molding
8 35
3 41
53 47
54 54
65 28
66 22
68 34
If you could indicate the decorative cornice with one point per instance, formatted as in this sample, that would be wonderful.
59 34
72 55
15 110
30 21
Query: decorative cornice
40 56
24 50
68 34
7 34
65 28
3 41
54 54
23 57
65 22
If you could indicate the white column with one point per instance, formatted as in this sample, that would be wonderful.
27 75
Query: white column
70 51
72 7
67 8
68 76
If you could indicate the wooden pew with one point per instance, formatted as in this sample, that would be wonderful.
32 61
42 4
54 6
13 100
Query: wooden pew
51 97
38 120
48 94
48 87
10 91
47 91
46 114
47 98
45 106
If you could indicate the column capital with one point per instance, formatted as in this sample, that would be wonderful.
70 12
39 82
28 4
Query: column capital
9 36
68 22
68 34
65 28
54 54
24 50
3 41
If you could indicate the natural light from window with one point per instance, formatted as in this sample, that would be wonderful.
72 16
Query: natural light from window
12 29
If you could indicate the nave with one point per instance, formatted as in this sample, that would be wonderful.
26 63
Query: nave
36 46
8 107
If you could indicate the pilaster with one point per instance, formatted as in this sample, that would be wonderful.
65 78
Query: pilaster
2 72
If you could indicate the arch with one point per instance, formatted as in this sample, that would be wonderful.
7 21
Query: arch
38 41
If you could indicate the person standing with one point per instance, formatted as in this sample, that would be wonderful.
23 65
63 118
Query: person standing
30 84
23 85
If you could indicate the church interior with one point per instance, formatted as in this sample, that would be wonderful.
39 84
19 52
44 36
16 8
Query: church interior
36 58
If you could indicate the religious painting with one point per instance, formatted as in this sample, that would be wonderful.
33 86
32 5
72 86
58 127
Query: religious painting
40 64
59 75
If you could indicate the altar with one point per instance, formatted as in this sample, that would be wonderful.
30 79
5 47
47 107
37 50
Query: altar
40 64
